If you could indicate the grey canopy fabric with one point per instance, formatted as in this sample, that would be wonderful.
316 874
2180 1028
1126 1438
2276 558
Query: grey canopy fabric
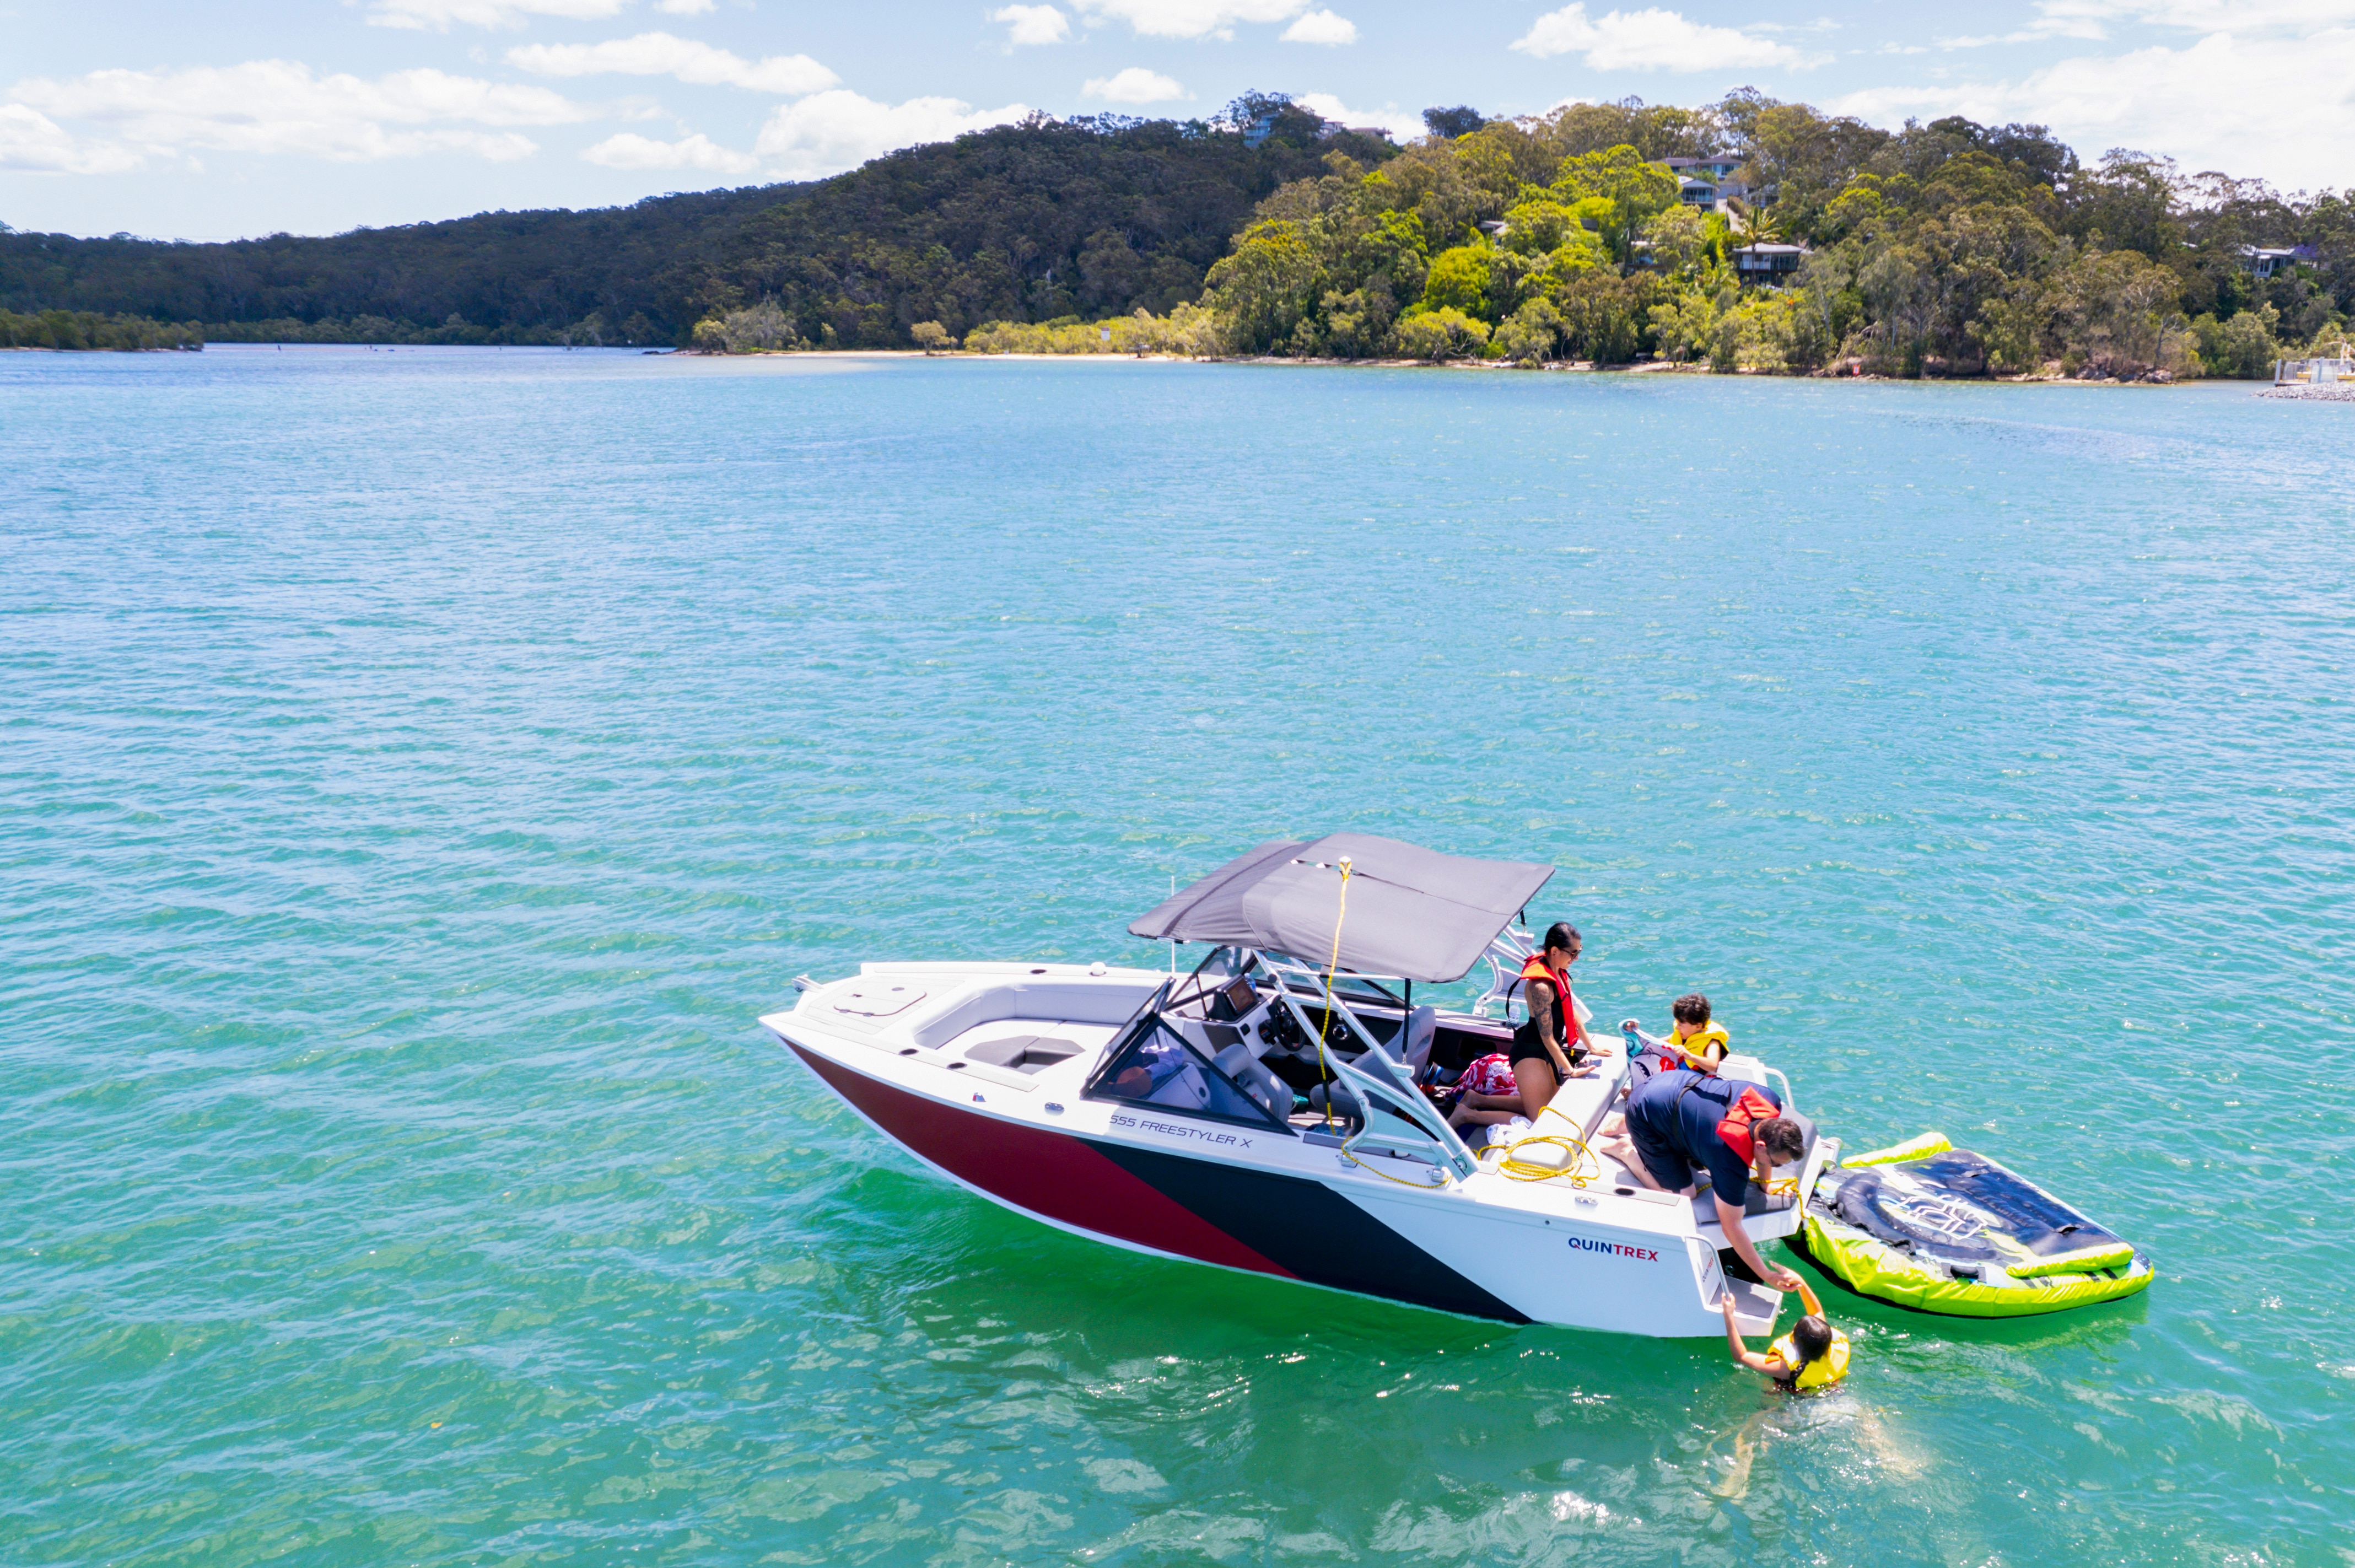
1412 913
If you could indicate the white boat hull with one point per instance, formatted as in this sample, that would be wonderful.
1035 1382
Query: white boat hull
1275 1203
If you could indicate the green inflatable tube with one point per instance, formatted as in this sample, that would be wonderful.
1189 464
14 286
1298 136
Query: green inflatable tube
1953 1233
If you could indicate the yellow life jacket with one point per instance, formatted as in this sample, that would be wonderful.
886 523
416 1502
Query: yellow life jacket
1699 1044
1827 1369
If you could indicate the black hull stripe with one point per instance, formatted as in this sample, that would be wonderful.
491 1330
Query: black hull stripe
1310 1231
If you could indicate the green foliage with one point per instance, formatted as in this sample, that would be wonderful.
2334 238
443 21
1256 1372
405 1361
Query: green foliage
2114 314
1444 334
1684 240
1939 250
1602 315
762 329
1631 189
2241 347
1531 335
1022 222
1459 279
1267 284
1188 330
1450 124
87 329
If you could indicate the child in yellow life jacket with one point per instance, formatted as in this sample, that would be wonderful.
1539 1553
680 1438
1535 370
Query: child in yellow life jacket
1701 1043
1813 1355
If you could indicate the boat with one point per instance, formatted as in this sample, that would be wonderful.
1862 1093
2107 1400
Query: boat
1264 1111
1938 1229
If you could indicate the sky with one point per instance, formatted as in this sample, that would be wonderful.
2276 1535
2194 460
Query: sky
243 117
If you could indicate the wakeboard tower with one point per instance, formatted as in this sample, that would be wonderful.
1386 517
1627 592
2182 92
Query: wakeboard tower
1266 1111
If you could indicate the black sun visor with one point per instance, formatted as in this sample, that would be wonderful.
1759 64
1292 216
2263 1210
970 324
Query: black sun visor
1414 912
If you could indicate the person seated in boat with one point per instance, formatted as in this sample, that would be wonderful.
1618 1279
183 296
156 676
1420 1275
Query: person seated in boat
1161 1071
1552 1046
1682 1121
1813 1355
1694 1041
1486 1094
1699 1043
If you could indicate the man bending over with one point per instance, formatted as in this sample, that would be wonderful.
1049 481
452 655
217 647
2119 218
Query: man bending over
1681 1119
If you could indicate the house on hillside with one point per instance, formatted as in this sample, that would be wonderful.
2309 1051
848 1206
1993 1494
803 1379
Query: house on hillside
1706 182
1258 130
2271 261
1768 262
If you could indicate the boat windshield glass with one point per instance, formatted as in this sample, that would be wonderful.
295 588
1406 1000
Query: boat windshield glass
1153 1064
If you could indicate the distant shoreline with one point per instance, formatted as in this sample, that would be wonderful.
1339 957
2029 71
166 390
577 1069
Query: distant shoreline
1583 368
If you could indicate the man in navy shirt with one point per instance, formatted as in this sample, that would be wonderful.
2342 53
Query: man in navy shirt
1681 1119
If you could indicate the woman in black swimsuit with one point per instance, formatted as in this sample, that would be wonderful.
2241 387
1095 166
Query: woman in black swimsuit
1552 1045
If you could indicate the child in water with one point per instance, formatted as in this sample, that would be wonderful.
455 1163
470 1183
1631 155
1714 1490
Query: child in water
1813 1355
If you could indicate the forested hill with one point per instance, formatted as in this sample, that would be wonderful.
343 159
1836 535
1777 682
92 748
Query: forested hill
1024 222
495 277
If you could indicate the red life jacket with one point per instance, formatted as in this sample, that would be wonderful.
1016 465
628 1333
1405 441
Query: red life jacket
1535 969
1742 1118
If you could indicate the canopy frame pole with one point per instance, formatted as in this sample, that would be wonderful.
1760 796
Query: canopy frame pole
1393 1088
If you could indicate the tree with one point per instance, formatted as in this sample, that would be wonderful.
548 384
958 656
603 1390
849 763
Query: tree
1266 286
2241 347
1531 334
931 337
1449 123
1459 279
1633 188
1444 334
2115 314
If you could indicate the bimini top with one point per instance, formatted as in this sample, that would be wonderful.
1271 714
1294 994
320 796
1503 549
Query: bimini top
1414 912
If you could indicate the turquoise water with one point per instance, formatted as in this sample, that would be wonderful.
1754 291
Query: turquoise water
421 768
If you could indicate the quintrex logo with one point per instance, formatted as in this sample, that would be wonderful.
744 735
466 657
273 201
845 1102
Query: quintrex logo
1588 1244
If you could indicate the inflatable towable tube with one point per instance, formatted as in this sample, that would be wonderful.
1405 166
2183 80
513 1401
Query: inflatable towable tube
1940 1229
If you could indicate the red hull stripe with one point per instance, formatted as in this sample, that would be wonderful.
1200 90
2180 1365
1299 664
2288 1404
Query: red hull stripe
1051 1175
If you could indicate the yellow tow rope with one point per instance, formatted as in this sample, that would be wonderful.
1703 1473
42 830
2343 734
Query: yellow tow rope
1331 968
1582 1169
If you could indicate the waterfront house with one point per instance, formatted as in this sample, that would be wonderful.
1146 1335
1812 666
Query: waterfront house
1767 263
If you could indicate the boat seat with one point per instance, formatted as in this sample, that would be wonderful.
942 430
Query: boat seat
1048 1001
1585 1100
1024 1052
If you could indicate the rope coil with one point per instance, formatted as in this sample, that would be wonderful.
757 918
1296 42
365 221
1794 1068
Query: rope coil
1584 1169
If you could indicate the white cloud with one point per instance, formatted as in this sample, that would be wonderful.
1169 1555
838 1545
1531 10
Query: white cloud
30 142
277 106
685 7
435 16
1402 125
663 54
2215 104
1653 39
2093 20
1321 27
2088 18
1134 85
1189 19
1033 24
696 152
830 132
